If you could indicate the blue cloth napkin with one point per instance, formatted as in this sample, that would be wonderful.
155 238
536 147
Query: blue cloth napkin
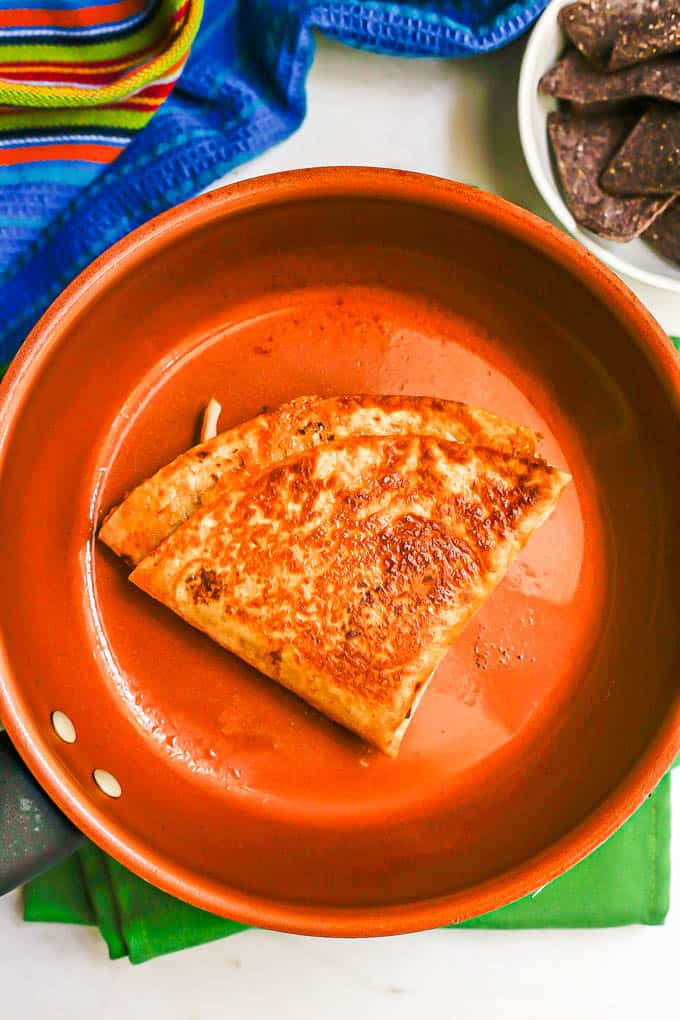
242 91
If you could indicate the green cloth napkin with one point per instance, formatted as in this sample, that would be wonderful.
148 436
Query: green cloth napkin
625 881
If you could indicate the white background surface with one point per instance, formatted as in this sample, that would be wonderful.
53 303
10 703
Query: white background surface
457 120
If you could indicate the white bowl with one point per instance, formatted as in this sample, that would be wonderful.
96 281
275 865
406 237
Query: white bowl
635 259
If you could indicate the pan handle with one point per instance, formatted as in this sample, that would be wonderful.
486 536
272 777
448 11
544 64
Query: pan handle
34 834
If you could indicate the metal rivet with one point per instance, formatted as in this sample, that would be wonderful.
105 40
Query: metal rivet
63 727
107 783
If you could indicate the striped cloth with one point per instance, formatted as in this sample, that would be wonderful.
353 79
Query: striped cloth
78 80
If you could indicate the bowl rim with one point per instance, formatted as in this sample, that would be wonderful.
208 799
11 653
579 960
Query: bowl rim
150 863
527 98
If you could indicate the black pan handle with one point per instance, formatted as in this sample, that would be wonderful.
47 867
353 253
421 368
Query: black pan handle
34 834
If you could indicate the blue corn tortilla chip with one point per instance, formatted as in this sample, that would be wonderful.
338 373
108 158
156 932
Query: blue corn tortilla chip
575 79
664 233
655 34
583 147
648 162
593 25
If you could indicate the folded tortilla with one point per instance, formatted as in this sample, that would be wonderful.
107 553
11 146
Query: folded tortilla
346 572
155 508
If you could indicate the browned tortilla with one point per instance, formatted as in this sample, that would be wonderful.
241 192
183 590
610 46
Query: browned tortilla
159 504
345 573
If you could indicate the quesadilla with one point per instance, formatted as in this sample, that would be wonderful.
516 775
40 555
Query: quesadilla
156 507
345 573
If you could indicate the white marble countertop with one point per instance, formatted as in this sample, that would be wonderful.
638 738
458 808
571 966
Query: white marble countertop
455 119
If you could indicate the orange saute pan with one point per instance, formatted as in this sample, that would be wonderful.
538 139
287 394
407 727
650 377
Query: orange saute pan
555 714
